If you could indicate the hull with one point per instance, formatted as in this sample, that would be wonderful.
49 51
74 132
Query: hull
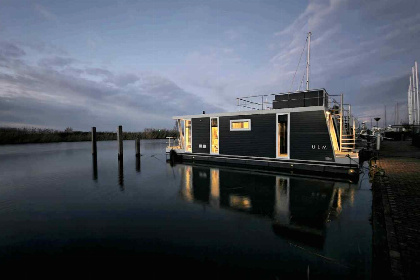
300 166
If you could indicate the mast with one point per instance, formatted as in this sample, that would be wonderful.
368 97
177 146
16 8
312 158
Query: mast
410 104
385 119
307 61
413 90
417 92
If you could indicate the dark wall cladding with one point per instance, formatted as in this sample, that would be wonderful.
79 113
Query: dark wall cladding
299 99
201 135
309 137
260 141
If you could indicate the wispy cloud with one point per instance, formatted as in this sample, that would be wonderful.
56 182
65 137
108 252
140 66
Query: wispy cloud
47 93
45 13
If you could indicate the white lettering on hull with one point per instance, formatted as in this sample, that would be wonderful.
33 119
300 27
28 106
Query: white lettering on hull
319 147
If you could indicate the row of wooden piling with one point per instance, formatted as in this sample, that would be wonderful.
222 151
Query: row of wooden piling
119 140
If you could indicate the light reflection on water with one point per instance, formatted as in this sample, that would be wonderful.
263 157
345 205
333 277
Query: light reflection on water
58 200
300 208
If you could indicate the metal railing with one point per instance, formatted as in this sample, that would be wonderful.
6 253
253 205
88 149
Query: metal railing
267 101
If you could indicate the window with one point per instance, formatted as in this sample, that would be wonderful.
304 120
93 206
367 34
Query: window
240 125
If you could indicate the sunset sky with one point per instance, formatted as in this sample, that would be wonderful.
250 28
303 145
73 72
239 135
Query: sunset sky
138 63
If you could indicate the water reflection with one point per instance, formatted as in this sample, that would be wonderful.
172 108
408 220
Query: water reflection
95 167
300 208
138 163
121 173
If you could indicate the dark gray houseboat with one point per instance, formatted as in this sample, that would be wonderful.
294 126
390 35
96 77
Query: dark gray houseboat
301 131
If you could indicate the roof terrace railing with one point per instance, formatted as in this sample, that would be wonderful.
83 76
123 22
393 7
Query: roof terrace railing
268 101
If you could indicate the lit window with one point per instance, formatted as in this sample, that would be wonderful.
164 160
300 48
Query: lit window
282 137
240 125
188 138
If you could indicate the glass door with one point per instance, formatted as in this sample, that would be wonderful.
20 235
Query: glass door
214 135
282 136
188 138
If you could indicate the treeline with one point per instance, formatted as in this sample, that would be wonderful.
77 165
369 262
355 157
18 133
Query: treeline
37 135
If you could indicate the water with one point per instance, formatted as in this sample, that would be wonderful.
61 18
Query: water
57 204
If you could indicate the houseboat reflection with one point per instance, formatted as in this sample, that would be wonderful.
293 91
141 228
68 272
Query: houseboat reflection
299 207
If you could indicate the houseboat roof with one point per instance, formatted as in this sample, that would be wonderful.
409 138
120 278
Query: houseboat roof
251 112
298 101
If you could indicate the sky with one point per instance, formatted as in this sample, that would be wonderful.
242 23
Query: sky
138 63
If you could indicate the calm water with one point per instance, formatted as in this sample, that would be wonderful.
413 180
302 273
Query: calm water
55 205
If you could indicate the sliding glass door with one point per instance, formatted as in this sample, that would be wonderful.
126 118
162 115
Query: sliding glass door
214 135
188 138
282 135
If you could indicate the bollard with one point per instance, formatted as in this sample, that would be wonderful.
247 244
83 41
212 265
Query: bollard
94 149
137 147
120 142
378 142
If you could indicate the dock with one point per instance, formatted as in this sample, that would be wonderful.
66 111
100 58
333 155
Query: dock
396 211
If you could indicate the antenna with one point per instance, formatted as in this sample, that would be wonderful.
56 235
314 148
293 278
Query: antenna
307 61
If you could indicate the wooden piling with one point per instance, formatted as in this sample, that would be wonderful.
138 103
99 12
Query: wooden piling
94 149
137 147
120 142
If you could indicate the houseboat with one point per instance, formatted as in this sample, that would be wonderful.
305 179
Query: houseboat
307 131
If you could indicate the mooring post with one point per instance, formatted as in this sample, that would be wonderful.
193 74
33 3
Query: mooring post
120 142
94 150
137 147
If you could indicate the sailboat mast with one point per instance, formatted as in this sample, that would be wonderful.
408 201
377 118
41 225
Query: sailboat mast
410 104
417 92
413 90
307 61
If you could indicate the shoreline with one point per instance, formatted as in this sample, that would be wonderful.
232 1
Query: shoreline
12 136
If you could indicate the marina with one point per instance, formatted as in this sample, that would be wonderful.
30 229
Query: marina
225 221
210 139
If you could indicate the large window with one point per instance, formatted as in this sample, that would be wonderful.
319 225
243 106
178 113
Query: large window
188 138
214 134
282 136
240 125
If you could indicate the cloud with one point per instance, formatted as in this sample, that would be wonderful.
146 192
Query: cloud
43 48
61 92
10 50
45 13
56 61
361 48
